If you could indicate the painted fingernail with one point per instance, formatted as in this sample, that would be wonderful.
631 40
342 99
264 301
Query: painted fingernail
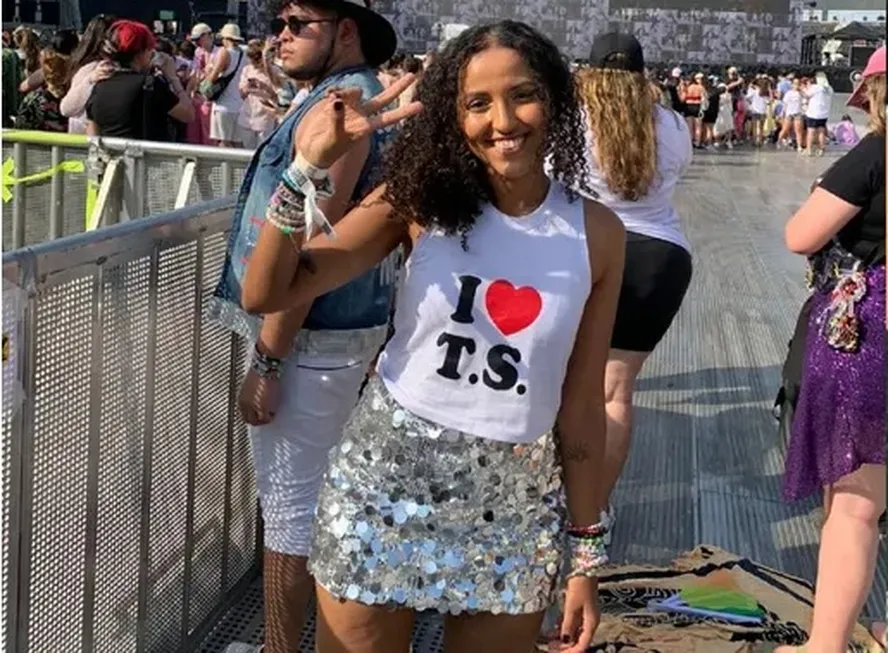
565 639
338 105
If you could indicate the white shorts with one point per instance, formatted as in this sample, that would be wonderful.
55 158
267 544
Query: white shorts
223 126
290 455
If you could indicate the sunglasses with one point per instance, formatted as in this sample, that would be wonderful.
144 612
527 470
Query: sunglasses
278 25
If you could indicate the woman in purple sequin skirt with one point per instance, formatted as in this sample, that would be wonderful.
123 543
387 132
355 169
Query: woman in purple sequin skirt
837 442
839 422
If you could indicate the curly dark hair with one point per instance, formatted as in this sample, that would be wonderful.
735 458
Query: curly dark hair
432 177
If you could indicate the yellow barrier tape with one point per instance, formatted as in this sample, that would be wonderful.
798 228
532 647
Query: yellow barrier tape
44 138
8 180
92 196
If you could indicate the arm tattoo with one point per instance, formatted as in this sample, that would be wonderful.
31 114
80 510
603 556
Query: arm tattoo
306 262
574 452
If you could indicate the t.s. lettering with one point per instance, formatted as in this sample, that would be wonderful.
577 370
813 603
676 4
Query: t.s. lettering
510 310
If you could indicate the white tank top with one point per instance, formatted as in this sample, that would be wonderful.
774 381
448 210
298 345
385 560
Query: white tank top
483 337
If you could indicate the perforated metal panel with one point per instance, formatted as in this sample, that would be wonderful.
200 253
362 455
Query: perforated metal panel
212 179
125 319
13 305
210 461
147 184
136 523
38 198
174 329
60 441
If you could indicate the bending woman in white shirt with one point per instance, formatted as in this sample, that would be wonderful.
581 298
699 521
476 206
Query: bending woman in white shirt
638 151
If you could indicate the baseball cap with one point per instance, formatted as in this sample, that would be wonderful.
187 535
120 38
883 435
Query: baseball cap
607 45
199 30
875 66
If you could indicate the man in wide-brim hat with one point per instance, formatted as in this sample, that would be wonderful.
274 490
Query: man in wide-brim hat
334 19
307 364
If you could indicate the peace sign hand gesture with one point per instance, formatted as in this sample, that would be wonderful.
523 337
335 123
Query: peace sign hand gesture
342 118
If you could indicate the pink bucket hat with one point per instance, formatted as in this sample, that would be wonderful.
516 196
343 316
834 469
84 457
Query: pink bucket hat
875 66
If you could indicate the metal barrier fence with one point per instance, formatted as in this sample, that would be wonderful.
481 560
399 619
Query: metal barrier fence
129 520
57 185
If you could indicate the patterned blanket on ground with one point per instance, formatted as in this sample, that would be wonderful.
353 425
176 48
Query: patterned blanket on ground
629 626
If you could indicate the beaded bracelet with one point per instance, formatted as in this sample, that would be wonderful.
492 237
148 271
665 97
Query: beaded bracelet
266 366
595 530
286 210
587 556
312 183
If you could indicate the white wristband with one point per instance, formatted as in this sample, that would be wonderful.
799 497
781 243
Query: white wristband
312 172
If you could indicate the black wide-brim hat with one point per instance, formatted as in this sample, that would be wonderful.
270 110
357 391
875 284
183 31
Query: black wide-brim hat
378 38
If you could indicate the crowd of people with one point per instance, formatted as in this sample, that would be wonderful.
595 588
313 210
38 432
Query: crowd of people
453 446
239 94
119 79
787 110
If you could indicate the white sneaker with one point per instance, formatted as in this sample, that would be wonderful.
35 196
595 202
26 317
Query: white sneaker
240 647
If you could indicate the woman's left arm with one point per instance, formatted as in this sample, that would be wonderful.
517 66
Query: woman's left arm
581 420
818 221
582 423
850 184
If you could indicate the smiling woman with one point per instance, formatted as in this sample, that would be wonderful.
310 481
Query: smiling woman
468 472
430 154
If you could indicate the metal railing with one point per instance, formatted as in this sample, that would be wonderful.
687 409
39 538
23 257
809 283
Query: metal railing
57 185
129 518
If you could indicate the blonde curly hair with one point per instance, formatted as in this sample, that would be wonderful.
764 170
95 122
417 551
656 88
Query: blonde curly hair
877 94
620 110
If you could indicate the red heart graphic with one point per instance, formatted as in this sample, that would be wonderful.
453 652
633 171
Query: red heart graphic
512 309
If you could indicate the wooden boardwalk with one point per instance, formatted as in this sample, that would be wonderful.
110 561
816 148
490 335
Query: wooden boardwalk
707 460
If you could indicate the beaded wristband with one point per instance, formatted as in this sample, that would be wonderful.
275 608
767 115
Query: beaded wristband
595 530
587 557
312 183
286 210
266 366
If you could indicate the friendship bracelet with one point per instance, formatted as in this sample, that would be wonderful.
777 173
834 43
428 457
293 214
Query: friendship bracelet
586 557
595 530
266 366
313 183
284 214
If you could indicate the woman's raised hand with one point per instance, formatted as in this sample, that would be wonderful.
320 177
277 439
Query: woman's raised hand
342 118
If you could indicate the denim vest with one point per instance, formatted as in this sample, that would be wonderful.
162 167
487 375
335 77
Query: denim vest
362 304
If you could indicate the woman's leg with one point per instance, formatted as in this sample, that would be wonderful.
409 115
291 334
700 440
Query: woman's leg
785 127
623 368
492 633
799 133
350 627
848 549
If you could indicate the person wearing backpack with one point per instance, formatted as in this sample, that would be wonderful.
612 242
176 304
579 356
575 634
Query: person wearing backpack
837 431
221 88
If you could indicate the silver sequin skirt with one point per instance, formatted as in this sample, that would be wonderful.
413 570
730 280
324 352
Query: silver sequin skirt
413 515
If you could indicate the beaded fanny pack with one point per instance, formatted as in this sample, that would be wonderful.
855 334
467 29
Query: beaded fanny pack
843 275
